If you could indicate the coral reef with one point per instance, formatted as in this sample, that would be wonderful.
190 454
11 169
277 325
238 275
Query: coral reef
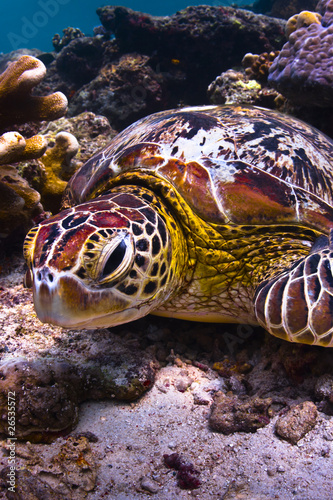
20 204
212 38
303 70
151 63
69 34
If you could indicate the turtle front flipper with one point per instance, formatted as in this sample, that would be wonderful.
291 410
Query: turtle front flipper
297 305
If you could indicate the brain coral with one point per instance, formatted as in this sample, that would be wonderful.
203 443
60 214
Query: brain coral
303 71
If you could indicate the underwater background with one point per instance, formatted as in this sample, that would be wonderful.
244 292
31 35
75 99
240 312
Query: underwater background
32 24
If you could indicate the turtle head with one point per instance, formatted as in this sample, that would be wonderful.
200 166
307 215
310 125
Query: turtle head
105 262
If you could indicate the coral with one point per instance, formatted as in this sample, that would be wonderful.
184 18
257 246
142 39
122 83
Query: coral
69 34
16 102
234 87
93 132
123 91
57 168
257 65
302 20
19 203
303 70
49 174
19 106
187 475
14 148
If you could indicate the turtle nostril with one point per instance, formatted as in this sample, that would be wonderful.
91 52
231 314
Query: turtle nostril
44 275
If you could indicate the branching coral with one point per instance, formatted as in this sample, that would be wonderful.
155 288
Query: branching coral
14 148
19 202
17 105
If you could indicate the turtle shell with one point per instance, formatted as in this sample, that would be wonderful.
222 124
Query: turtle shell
231 164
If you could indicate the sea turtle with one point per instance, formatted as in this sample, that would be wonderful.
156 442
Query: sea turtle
213 213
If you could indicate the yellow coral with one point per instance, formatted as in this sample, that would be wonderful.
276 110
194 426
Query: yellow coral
301 20
14 148
18 201
57 168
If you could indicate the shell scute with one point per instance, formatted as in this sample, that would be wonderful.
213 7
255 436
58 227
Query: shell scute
193 182
260 198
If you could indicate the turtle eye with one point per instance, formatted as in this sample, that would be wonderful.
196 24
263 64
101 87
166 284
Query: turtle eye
115 259
108 255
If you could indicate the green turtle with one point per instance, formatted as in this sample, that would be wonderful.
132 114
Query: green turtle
213 213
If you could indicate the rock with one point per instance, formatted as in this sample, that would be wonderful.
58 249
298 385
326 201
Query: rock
28 486
123 91
149 485
324 388
48 391
231 414
80 60
297 422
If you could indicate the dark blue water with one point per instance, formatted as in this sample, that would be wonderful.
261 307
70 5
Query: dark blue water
32 24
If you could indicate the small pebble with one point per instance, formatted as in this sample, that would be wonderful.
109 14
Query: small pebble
183 383
201 398
297 422
149 485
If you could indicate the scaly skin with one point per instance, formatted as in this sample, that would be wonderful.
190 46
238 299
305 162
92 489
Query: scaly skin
110 261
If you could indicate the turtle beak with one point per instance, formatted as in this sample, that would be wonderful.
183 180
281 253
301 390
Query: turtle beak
63 300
